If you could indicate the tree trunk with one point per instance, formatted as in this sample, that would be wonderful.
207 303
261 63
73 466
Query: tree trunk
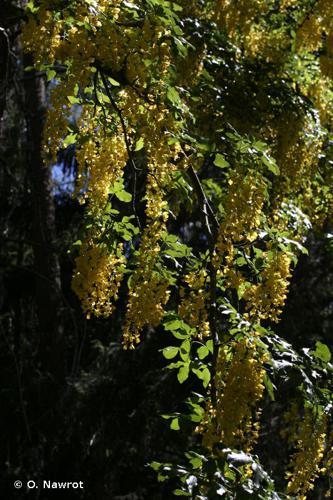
46 262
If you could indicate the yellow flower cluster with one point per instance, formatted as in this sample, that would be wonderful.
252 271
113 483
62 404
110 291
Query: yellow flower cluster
193 306
291 422
239 387
120 50
56 123
148 44
321 93
305 463
318 22
238 17
49 41
309 36
266 299
244 22
285 4
297 152
101 161
42 38
328 463
97 278
326 66
266 44
242 206
148 291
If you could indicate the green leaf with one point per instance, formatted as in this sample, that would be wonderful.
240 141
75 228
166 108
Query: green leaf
69 139
31 6
114 82
210 346
119 191
175 424
176 7
73 100
185 346
195 459
50 74
203 352
322 352
220 161
197 412
180 251
173 95
170 352
205 377
123 196
171 366
155 465
139 144
182 50
270 164
176 324
183 373
179 335
260 146
177 249
269 387
203 374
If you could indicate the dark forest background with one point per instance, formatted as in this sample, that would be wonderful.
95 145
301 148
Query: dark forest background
74 405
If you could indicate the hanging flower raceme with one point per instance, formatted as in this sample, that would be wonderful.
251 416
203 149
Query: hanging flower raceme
238 17
327 468
101 159
298 153
238 386
310 445
193 305
266 300
242 207
97 277
42 36
148 291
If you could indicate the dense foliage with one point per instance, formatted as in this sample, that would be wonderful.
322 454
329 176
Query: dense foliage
203 145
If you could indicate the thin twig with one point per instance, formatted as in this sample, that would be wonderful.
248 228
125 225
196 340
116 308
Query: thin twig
122 121
206 207
127 143
212 231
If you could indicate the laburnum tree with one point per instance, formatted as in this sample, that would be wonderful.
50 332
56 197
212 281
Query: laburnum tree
203 139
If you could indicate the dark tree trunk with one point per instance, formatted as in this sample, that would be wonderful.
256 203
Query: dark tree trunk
46 262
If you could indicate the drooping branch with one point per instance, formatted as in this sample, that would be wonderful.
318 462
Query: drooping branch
211 225
127 142
122 121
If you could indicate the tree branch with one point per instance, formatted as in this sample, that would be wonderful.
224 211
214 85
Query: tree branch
212 234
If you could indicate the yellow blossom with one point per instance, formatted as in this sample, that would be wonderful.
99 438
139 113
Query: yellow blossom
305 463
